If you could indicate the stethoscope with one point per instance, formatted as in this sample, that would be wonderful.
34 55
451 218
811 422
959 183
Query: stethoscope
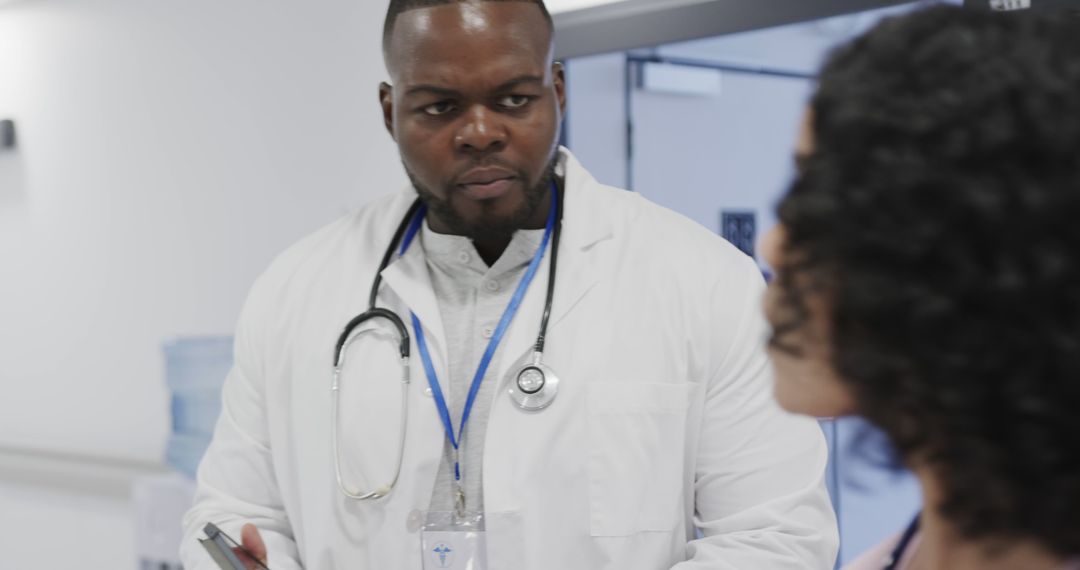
893 561
535 385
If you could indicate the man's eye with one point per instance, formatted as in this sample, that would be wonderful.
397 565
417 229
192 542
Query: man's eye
440 108
515 101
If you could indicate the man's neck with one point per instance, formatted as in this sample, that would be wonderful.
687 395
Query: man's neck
942 548
491 248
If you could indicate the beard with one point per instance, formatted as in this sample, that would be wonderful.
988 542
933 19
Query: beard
486 227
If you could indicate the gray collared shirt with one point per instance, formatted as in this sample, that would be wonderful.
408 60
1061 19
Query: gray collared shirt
472 298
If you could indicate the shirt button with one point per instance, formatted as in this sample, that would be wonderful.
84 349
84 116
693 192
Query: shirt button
492 285
428 392
488 332
463 256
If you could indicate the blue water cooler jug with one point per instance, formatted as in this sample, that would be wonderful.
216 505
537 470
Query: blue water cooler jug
195 370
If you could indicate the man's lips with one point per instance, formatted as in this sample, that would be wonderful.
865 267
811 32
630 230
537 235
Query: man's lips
486 183
488 191
484 176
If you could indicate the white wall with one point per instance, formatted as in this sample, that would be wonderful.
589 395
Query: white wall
168 150
53 530
65 513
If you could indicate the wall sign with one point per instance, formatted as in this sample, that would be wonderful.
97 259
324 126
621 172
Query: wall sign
7 134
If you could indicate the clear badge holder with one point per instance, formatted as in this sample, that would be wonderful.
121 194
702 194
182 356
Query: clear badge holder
454 541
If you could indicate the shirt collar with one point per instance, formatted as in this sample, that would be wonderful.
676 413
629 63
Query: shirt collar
457 257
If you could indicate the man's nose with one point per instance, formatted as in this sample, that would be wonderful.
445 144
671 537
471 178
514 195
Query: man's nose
481 132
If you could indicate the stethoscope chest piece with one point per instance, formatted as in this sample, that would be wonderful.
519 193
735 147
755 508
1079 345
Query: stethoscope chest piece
534 386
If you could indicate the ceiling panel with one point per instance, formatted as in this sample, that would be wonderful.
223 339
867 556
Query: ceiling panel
614 26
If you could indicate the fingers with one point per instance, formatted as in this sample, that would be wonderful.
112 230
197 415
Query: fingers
249 564
253 543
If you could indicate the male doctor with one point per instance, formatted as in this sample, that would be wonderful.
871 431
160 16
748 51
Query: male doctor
649 419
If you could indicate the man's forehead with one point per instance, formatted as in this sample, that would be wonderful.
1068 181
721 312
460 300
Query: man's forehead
469 35
470 17
494 74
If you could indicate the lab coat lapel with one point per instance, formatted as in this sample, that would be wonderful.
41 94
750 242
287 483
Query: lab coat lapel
408 289
580 266
586 225
408 278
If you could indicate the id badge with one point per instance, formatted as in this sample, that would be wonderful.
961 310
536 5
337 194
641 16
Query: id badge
452 541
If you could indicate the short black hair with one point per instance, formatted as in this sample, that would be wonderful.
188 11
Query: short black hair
397 7
939 214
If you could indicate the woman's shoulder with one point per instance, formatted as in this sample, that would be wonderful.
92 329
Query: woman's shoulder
877 557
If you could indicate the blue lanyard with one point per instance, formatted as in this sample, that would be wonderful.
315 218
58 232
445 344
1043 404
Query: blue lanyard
493 344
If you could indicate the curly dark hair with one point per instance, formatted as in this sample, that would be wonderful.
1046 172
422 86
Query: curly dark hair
939 215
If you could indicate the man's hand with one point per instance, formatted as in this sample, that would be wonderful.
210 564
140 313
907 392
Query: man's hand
253 543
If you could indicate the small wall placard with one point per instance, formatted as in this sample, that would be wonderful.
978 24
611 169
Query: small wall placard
7 134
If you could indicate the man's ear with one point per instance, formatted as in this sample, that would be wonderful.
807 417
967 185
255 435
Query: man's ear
558 73
386 99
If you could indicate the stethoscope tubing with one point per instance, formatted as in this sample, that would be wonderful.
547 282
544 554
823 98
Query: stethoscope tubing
410 224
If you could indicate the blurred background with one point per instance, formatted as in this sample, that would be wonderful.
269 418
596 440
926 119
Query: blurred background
155 156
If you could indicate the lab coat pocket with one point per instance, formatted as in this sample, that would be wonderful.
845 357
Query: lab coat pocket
637 437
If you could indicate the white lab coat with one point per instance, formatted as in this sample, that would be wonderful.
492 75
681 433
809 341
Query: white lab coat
664 421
